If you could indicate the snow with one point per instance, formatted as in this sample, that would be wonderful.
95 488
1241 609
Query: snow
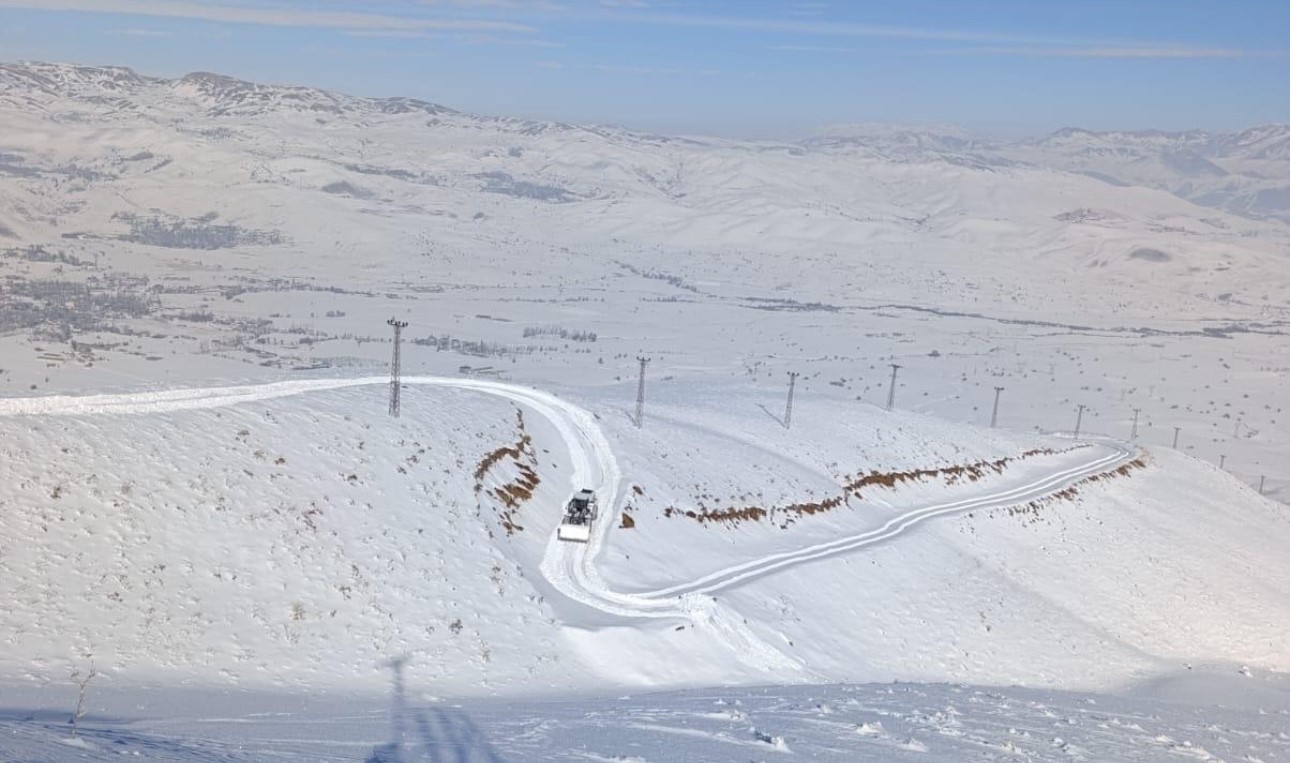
203 497
914 722
341 526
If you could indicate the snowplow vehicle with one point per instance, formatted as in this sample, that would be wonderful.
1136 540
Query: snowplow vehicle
578 516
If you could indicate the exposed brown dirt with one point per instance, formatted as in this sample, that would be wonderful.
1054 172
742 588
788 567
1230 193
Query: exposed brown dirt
951 474
518 490
856 487
506 451
1029 512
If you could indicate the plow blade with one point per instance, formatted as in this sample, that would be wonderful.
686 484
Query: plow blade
575 533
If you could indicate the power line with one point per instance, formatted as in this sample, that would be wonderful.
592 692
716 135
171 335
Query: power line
396 385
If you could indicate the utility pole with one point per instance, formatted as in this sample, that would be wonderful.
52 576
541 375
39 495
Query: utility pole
1079 419
396 384
640 393
994 415
1261 481
788 409
891 395
1136 411
1176 431
1222 459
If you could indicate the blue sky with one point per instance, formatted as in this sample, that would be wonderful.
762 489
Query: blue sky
757 68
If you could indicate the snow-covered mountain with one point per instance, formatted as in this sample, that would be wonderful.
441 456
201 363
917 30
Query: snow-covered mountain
129 203
925 143
218 95
1245 173
1086 358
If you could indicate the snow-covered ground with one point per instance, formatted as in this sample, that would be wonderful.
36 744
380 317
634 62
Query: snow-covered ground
294 537
135 549
839 724
205 230
200 486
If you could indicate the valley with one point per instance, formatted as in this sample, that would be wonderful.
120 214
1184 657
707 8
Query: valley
1037 437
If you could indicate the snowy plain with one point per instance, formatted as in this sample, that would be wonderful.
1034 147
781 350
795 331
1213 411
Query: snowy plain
243 542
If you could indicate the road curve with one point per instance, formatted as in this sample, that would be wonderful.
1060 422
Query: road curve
571 567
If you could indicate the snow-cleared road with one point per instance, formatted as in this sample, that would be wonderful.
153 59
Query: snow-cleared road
571 568
568 567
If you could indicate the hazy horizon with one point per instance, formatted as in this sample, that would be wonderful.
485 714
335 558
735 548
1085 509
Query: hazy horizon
988 132
764 69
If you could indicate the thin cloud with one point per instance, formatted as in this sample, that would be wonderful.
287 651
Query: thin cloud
655 71
1124 52
1036 51
488 39
808 9
137 33
1040 51
827 28
392 34
279 17
813 49
994 42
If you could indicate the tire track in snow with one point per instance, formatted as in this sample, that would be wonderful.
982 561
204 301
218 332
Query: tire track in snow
741 573
570 568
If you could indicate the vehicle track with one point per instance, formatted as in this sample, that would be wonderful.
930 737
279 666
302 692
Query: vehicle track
570 567
1048 485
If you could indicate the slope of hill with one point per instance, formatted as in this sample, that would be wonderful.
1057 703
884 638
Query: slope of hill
291 538
1245 173
231 538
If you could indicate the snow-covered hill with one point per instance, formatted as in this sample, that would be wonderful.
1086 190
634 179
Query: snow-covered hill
163 239
205 228
1245 173
236 538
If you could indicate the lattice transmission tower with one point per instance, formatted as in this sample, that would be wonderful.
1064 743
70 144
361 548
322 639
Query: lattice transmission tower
396 384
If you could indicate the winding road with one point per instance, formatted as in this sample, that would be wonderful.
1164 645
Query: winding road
569 567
